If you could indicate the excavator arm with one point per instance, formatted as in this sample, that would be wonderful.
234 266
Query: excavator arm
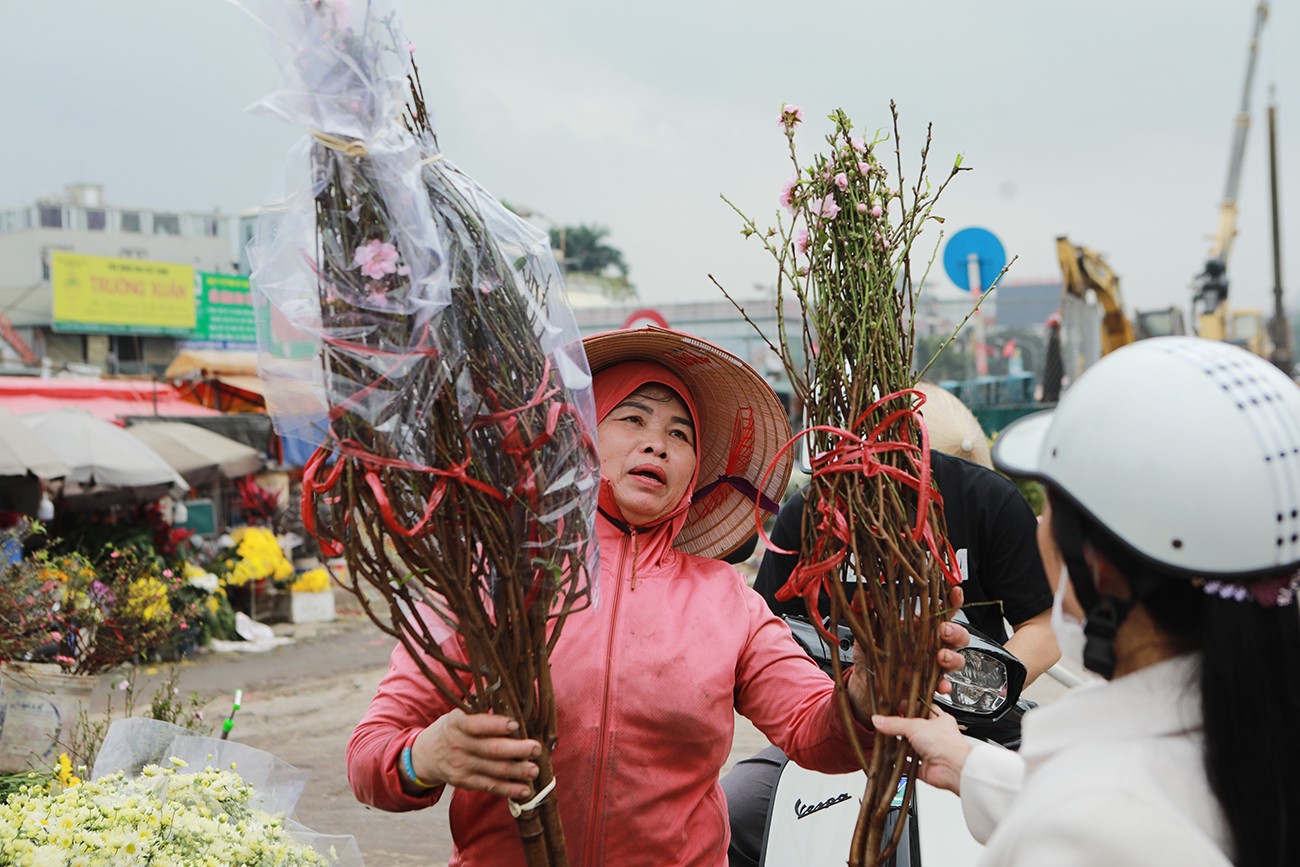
1083 270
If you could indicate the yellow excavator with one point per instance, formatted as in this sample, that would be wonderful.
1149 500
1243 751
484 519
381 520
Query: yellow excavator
1083 271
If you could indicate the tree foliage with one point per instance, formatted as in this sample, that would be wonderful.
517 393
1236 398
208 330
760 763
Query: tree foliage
582 250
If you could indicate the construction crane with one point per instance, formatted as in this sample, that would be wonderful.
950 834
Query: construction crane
1210 307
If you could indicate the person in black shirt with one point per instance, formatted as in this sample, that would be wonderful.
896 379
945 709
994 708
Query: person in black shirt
992 529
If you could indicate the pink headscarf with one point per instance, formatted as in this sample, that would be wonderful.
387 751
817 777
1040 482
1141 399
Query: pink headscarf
614 383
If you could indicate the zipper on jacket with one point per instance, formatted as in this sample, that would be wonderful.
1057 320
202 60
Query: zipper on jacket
597 801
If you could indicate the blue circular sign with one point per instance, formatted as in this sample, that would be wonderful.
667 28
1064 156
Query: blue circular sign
978 242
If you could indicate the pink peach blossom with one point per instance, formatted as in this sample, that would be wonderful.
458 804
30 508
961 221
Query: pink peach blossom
376 258
842 181
787 194
827 208
790 117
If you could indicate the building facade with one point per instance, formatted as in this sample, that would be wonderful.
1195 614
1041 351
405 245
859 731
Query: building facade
82 221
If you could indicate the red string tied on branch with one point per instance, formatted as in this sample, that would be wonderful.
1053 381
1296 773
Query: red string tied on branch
862 454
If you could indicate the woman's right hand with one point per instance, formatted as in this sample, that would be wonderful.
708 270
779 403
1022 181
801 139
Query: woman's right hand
938 743
476 751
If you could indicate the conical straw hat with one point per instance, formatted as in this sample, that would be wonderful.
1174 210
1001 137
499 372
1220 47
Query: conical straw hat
953 427
744 424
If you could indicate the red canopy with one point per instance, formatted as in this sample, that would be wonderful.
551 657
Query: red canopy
108 399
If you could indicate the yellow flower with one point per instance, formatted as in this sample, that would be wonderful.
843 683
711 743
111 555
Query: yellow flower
147 599
65 776
314 581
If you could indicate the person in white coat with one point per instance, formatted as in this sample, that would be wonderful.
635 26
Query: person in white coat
1172 469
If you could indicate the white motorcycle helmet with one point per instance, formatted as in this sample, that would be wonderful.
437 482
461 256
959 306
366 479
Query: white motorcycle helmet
1187 451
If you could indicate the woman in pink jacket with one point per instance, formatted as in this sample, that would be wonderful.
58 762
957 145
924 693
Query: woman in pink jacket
648 681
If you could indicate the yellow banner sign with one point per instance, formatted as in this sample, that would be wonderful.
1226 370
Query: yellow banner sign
121 296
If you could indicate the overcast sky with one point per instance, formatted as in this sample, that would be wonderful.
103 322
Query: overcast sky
1109 121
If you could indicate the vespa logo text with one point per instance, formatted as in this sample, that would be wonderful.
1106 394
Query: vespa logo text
802 811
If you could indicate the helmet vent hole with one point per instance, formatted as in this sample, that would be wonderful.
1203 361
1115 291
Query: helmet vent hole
1178 543
1279 517
1280 541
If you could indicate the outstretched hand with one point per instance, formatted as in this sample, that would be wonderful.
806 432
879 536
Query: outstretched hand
937 741
476 751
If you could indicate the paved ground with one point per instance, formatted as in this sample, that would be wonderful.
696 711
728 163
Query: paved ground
301 702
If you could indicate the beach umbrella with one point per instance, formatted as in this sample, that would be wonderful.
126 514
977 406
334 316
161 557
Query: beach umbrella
23 453
105 463
200 455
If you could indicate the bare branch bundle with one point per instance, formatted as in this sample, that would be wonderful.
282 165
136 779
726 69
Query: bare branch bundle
873 533
458 472
457 462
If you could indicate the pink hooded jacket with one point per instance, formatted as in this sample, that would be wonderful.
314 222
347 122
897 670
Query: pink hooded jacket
647 684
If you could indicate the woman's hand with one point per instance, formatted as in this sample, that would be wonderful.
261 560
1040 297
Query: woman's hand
937 741
476 751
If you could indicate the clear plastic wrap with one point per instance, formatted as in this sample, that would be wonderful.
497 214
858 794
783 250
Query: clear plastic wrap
421 329
138 748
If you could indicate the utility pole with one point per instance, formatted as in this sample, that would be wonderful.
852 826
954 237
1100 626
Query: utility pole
1283 354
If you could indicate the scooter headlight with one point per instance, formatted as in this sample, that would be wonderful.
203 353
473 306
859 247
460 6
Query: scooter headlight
980 686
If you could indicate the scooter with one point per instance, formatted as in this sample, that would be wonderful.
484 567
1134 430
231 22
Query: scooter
812 815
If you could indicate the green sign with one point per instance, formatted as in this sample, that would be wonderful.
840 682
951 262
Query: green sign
224 313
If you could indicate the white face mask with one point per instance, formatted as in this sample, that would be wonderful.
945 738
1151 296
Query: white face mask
1068 630
45 509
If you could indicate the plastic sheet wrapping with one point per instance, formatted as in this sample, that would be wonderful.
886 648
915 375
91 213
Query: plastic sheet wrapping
132 744
383 275
420 330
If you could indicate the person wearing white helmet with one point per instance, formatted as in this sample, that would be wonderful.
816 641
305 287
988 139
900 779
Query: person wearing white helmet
1172 469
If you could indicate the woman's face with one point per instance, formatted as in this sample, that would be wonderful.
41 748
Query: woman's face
647 453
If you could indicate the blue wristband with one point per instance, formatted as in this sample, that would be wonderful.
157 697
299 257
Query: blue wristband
407 770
